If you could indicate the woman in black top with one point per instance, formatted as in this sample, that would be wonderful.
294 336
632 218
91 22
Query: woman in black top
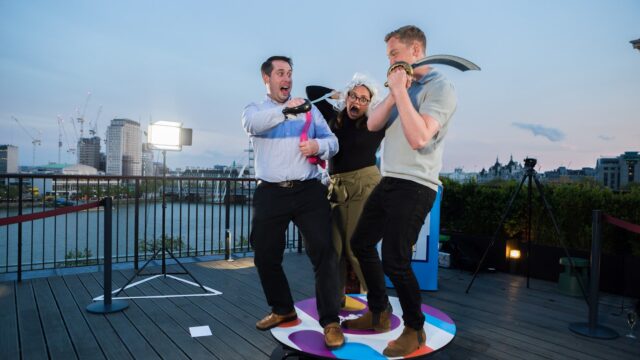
353 171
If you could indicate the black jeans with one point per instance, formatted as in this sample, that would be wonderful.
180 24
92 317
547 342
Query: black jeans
307 206
394 212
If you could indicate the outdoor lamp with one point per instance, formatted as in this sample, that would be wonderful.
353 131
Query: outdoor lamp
514 254
168 135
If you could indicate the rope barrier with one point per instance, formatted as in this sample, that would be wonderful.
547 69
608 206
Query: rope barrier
43 214
621 223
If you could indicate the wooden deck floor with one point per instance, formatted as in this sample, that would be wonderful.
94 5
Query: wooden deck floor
500 318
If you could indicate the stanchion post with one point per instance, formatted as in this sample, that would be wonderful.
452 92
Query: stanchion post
592 329
107 305
20 230
108 217
136 225
594 283
227 220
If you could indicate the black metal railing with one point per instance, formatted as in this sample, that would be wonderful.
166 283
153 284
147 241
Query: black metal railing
205 216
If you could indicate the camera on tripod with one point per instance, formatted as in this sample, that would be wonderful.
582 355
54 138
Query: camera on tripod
530 163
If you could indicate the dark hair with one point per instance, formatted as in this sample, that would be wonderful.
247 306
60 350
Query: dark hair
361 123
267 66
408 34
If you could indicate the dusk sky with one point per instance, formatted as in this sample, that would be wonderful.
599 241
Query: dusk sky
559 81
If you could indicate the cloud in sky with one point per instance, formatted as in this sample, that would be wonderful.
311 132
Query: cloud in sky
554 135
605 137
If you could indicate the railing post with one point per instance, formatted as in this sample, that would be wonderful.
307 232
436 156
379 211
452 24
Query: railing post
19 230
592 329
299 242
227 220
136 225
107 305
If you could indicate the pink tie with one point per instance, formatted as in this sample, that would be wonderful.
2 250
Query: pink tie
315 159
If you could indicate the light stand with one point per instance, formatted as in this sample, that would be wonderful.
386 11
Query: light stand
530 174
164 135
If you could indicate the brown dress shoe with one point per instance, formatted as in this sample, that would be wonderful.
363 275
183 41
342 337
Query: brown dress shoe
380 322
409 341
272 320
333 336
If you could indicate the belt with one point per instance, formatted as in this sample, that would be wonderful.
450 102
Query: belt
286 183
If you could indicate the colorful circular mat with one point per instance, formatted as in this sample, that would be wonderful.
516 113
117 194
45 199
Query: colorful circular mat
305 334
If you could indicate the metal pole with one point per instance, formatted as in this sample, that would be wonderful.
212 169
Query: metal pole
594 284
592 329
136 226
227 222
20 230
164 210
107 305
108 216
529 191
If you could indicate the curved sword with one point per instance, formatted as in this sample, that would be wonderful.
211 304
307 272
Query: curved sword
451 60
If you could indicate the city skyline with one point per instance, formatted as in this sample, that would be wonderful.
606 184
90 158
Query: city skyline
557 83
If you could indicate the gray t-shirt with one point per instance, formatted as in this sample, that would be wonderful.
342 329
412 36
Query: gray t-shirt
435 96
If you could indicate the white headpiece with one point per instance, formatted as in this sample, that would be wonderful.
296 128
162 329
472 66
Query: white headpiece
360 79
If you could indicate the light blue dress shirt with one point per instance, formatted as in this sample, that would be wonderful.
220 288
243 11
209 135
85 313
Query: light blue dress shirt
276 141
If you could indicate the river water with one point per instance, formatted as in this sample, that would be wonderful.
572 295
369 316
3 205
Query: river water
200 227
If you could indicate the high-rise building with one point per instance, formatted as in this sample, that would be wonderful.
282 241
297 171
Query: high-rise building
89 152
617 173
103 162
8 159
124 148
147 161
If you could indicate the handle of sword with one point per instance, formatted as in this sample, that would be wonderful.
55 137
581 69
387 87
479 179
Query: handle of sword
405 65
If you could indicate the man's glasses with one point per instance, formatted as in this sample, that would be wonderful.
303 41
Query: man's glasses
360 100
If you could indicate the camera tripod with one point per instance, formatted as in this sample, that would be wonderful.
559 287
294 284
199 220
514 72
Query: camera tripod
531 176
163 249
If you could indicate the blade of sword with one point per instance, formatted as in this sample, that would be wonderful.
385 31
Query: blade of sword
326 96
457 62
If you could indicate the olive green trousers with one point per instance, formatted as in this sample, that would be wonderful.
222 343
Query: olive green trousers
348 193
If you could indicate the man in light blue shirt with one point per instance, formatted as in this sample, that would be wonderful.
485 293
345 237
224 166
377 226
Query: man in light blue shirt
289 190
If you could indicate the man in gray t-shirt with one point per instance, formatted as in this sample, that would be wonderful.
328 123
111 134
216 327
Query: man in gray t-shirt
416 116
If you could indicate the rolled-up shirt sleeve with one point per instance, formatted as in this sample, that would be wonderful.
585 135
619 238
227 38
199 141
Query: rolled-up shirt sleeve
256 121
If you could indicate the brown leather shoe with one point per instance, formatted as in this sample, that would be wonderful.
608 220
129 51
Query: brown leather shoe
333 336
272 320
380 322
409 341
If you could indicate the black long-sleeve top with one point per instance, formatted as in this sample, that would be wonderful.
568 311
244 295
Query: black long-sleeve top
358 145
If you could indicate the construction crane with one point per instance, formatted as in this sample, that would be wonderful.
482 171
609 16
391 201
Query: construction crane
75 130
34 140
80 116
94 129
70 149
59 137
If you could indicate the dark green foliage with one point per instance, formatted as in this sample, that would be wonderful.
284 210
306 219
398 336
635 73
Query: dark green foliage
476 209
75 258
170 244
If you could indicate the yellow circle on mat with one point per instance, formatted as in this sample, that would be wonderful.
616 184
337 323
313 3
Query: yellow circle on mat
353 305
